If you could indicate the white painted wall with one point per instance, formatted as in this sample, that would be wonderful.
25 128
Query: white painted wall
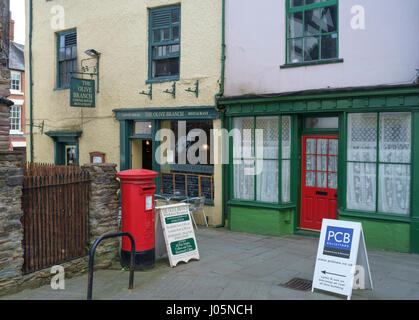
386 52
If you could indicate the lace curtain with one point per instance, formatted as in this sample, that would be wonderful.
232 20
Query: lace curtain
392 133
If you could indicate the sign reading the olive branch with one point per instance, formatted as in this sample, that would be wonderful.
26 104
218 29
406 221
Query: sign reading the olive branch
82 93
178 233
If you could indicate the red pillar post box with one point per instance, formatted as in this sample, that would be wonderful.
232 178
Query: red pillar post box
138 216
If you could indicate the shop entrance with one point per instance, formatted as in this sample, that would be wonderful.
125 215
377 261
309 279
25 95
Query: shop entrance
319 180
142 154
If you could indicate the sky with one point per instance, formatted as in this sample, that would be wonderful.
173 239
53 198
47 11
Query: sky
17 7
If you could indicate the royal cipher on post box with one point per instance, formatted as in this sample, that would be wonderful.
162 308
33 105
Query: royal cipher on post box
138 216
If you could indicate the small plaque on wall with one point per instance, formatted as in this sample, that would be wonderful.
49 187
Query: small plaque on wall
97 157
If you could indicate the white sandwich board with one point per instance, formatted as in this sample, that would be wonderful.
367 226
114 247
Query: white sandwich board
342 260
178 233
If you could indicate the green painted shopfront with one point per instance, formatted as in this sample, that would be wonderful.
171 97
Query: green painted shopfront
349 154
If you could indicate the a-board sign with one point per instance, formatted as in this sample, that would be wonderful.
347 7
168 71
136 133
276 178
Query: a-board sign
82 93
178 232
342 260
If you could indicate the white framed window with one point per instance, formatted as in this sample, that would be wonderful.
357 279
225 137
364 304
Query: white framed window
15 82
16 119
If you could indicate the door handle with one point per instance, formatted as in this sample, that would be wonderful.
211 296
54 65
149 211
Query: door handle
321 193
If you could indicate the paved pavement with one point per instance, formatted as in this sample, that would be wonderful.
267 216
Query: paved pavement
239 266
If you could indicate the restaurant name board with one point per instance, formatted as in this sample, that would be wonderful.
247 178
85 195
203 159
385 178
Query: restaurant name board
82 93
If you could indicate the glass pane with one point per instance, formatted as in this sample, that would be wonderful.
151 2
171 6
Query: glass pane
68 53
361 186
267 181
330 46
74 52
322 146
311 163
321 163
321 180
286 137
157 35
296 25
142 127
286 181
311 146
362 137
329 19
295 51
313 1
333 164
243 137
166 67
333 147
312 22
296 3
395 137
394 189
311 48
165 34
243 183
322 123
175 15
175 33
332 181
310 179
270 142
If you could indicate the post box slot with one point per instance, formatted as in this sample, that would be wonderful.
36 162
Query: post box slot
148 189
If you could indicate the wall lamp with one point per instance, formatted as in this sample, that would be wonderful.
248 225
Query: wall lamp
93 54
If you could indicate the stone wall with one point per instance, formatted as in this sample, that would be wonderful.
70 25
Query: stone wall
103 211
103 219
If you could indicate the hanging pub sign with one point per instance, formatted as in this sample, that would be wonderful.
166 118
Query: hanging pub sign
178 233
82 93
342 260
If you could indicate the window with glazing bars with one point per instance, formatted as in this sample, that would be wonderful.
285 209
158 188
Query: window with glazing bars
67 58
312 30
262 174
15 118
379 162
164 39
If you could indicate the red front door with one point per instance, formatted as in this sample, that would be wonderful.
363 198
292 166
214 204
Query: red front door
319 180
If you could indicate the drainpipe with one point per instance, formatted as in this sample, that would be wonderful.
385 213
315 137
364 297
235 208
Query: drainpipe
218 95
30 80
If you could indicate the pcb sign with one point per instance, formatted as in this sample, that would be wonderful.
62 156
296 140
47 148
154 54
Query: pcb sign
342 261
178 233
82 93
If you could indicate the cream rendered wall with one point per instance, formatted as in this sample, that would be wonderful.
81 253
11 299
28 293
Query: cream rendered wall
119 30
120 33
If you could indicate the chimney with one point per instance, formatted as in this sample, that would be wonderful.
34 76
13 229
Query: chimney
12 30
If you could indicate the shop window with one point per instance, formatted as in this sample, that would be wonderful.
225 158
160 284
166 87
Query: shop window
66 57
164 42
312 30
379 162
256 171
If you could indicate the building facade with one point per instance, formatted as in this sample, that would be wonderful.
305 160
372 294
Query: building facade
333 86
155 65
17 93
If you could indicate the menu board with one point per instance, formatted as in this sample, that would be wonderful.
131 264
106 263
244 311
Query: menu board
178 233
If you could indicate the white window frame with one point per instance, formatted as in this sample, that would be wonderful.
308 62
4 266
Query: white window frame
14 91
18 103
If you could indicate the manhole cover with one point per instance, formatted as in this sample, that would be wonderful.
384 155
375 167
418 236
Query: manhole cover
298 284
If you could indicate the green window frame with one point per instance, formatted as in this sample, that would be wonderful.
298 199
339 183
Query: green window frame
283 159
312 24
66 58
164 44
387 174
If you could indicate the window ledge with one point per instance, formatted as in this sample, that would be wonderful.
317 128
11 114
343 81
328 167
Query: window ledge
311 63
163 79
374 216
61 88
266 205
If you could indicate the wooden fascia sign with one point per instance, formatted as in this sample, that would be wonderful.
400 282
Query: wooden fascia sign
178 232
342 260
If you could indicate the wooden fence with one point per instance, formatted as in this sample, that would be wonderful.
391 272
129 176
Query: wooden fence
55 206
